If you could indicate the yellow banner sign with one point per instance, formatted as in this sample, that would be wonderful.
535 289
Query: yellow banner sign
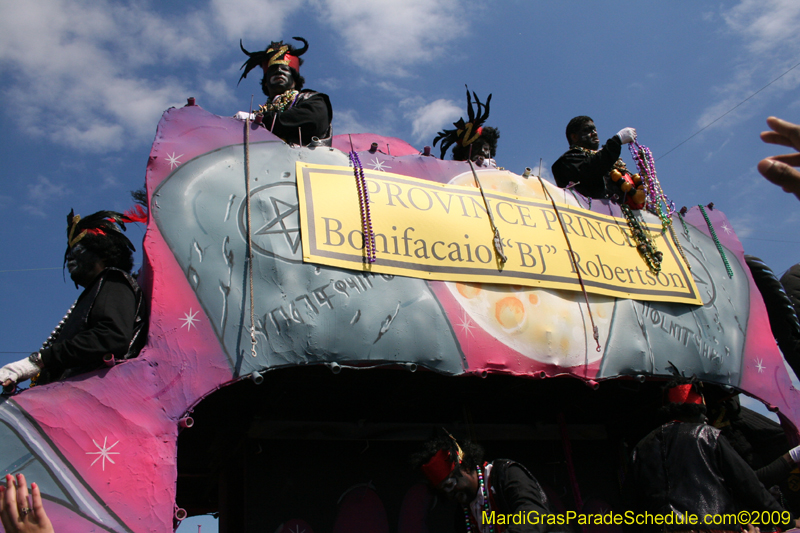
432 231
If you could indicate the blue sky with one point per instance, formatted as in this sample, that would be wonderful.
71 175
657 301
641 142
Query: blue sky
84 83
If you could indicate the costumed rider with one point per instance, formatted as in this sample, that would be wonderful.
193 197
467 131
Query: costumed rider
483 489
296 115
471 140
597 172
762 443
686 466
108 317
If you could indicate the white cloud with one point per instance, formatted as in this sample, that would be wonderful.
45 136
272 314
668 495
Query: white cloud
253 18
88 74
86 67
40 194
390 36
768 31
329 84
766 24
219 90
349 121
428 119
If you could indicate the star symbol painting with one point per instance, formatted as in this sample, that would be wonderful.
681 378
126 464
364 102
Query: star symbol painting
103 453
760 365
727 229
465 325
278 225
379 165
189 320
173 160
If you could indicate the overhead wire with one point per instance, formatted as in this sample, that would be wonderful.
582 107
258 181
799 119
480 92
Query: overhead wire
31 269
726 113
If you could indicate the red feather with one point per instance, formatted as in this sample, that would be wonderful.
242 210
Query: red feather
136 214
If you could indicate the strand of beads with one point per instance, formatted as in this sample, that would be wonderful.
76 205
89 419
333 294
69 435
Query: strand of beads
645 244
363 200
656 201
716 241
678 245
53 336
683 222
280 103
486 508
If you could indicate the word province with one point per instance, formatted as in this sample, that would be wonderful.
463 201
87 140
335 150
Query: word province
446 232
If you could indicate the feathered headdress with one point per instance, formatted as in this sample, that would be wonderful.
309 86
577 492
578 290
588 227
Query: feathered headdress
465 133
108 224
275 54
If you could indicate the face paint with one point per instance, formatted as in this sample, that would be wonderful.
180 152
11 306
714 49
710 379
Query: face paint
480 152
279 79
460 486
82 265
587 137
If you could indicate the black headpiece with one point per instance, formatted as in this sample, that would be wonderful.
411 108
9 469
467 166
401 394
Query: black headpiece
275 54
104 224
465 133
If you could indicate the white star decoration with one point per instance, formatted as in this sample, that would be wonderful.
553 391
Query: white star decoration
104 453
189 320
465 325
172 159
760 365
726 228
378 165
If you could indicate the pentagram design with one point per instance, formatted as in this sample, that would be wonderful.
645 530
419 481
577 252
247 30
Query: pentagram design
275 221
282 211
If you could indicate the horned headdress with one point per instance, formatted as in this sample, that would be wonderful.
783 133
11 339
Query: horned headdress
276 53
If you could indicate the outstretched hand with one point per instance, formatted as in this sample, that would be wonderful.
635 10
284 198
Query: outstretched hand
15 514
778 168
627 135
17 372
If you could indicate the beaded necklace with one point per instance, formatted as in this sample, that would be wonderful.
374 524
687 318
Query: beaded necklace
363 200
280 103
645 244
716 241
656 201
619 165
486 507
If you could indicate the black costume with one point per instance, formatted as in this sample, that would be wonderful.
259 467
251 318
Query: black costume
309 116
587 169
513 489
108 317
791 284
684 467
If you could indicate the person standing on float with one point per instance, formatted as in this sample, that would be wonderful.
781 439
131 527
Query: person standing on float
296 115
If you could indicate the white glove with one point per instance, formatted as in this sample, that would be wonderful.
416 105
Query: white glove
794 453
19 371
627 135
242 115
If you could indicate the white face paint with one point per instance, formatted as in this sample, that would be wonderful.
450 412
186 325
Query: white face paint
279 79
